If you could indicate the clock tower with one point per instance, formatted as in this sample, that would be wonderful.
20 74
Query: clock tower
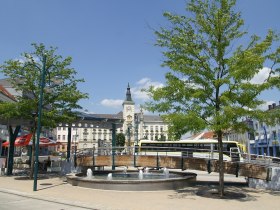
128 115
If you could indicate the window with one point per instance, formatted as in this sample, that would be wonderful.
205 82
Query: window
63 137
58 137
207 146
256 126
274 135
85 131
64 128
59 128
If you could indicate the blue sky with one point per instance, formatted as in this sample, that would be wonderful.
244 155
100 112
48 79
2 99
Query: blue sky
111 42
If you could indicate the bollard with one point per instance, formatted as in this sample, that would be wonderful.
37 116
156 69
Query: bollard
237 169
209 166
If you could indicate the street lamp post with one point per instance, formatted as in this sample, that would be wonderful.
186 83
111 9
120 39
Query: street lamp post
267 142
75 150
113 145
42 85
248 146
136 122
129 135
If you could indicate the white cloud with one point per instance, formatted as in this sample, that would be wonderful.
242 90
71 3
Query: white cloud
144 83
23 59
112 103
264 106
261 76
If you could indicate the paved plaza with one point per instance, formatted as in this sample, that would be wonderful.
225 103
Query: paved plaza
54 193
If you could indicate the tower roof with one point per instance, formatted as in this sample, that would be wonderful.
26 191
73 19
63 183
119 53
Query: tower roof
128 94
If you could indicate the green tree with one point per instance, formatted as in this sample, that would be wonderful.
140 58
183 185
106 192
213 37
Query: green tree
208 84
60 97
120 139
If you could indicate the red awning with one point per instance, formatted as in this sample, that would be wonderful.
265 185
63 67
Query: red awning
26 140
45 142
20 141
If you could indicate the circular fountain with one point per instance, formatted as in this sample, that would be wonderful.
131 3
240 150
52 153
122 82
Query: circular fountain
132 180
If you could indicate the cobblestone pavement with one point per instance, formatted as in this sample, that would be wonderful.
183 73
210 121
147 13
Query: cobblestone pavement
55 193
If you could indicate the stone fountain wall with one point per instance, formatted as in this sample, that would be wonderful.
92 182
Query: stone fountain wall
236 168
272 183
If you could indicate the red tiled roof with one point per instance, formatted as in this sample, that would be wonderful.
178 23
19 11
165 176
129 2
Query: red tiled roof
208 135
5 92
204 135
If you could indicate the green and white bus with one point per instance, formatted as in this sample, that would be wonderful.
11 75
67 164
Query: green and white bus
202 148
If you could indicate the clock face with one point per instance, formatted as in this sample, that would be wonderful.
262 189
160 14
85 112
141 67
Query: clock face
128 108
129 118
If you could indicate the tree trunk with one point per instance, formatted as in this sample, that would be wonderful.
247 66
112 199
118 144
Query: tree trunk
69 143
221 164
13 136
32 157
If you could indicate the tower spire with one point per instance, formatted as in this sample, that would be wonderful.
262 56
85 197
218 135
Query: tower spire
128 94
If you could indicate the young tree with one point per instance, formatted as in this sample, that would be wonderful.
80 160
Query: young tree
60 96
120 139
208 85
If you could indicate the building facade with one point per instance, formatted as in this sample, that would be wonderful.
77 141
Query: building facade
263 140
134 125
267 137
5 96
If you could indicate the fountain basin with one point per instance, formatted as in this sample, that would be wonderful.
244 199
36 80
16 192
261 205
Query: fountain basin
130 182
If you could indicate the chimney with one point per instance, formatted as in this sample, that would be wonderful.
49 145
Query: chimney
269 107
273 105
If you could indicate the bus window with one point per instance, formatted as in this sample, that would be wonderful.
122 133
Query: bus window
234 154
216 146
184 145
207 146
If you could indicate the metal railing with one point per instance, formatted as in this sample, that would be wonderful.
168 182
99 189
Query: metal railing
178 151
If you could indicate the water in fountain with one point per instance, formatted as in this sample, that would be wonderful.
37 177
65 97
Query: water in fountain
125 170
166 173
146 170
89 173
69 167
110 176
133 180
140 175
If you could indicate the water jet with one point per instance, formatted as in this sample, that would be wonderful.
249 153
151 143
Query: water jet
132 180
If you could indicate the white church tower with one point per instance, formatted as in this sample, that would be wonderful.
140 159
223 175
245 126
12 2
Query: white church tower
128 116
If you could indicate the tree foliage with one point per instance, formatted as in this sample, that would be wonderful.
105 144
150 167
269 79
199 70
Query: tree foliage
120 139
209 82
61 95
